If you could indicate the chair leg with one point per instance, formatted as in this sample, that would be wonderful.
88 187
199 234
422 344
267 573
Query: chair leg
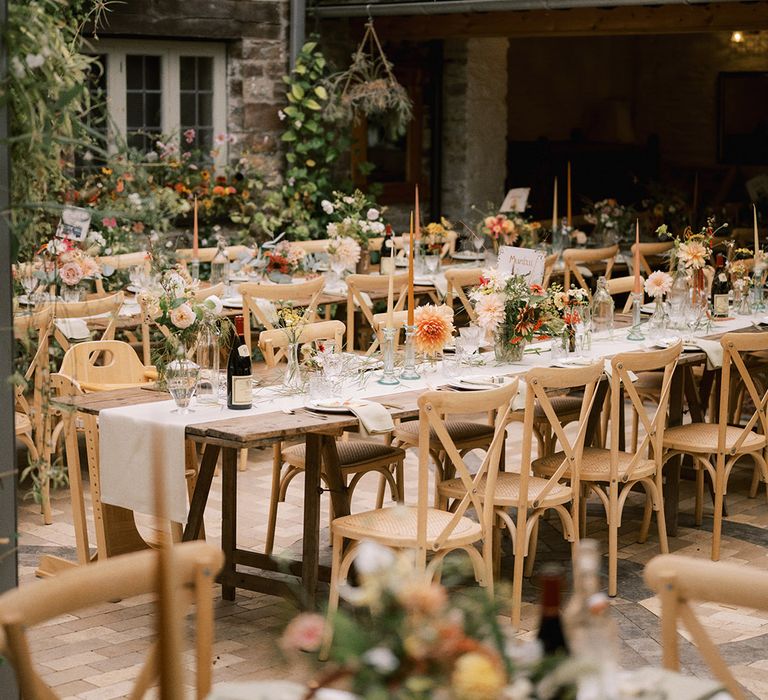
717 528
274 497
517 575
755 482
635 427
242 463
333 597
380 492
647 512
530 560
661 520
699 514
613 538
583 510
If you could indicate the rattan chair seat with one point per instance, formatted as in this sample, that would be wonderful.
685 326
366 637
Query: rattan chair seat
352 453
563 406
396 527
702 438
595 465
507 492
459 430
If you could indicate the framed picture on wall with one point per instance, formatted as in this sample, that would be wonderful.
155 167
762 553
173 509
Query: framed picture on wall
743 118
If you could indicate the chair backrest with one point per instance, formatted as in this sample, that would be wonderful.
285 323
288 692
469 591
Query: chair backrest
360 286
314 246
260 300
83 309
277 339
185 255
640 361
540 383
572 257
678 580
124 260
457 279
399 319
735 346
99 365
622 285
202 293
195 565
549 267
435 407
650 250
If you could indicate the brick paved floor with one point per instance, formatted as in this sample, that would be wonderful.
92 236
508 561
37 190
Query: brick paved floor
94 654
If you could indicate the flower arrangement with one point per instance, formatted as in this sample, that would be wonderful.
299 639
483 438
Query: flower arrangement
434 236
509 229
611 219
67 262
344 251
354 216
692 249
286 258
658 284
175 307
569 303
434 328
500 227
406 637
291 321
508 304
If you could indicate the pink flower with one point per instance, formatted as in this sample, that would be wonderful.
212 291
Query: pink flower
182 316
109 222
434 326
490 311
303 633
189 135
694 254
658 284
70 273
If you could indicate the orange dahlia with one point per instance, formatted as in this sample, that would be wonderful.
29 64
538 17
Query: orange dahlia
434 327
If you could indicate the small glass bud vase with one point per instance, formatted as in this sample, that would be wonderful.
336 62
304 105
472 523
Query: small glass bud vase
657 323
292 380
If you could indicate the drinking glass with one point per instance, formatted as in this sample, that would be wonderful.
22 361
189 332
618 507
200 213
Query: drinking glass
584 332
431 262
181 376
452 362
478 243
320 388
471 337
558 348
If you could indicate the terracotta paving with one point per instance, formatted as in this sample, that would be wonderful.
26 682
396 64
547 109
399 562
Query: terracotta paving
95 654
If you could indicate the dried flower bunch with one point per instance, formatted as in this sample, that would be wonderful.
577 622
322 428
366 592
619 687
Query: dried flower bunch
692 249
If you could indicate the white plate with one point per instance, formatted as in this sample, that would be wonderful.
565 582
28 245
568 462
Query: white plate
401 262
575 362
232 303
478 382
467 255
334 405
665 343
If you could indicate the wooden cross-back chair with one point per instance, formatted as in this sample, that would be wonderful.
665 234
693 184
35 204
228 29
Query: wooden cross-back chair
573 257
380 321
679 581
716 447
123 261
623 285
421 528
101 365
549 267
261 301
651 250
356 457
457 280
358 288
532 495
195 565
83 310
612 473
32 421
205 255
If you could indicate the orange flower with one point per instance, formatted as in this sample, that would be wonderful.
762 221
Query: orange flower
138 227
205 175
219 190
434 327
120 185
245 194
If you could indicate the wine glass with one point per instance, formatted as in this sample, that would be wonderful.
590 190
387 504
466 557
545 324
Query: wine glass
479 243
29 280
432 262
181 376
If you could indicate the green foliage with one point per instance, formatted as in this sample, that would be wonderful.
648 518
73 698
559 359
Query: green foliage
46 92
313 143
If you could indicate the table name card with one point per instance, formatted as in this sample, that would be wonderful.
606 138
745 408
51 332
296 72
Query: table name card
522 261
516 200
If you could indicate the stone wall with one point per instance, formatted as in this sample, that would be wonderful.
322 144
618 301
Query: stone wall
256 35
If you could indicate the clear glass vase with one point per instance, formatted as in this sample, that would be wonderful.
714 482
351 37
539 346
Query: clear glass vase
506 351
657 323
292 379
207 357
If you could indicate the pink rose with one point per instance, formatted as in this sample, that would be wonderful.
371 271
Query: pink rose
303 633
182 316
189 135
109 222
70 273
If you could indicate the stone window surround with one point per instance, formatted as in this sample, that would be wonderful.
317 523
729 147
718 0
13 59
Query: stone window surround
170 51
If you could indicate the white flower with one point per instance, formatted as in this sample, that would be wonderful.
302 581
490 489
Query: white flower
348 200
372 214
297 124
658 284
175 284
490 311
134 199
521 689
332 229
377 227
151 156
345 250
34 60
373 558
18 67
381 659
182 316
327 206
281 115
214 304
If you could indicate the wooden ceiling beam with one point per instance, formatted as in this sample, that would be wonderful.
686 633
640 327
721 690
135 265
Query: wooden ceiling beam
660 19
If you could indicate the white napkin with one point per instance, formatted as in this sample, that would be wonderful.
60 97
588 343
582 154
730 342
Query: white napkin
73 328
374 418
130 308
713 350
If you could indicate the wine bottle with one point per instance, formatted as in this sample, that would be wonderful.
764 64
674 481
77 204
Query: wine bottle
387 264
720 288
551 628
239 371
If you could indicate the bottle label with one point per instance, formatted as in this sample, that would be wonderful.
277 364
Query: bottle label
387 265
720 304
243 350
241 391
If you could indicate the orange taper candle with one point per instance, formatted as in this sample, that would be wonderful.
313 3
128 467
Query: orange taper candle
411 302
638 284
417 217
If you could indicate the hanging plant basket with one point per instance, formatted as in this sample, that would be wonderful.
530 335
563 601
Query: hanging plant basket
368 87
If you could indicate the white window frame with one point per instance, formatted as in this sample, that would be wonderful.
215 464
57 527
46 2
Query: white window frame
170 52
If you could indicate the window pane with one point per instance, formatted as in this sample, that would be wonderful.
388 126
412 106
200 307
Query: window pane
152 72
196 100
134 110
205 109
205 73
187 72
188 111
134 72
143 99
205 139
152 115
